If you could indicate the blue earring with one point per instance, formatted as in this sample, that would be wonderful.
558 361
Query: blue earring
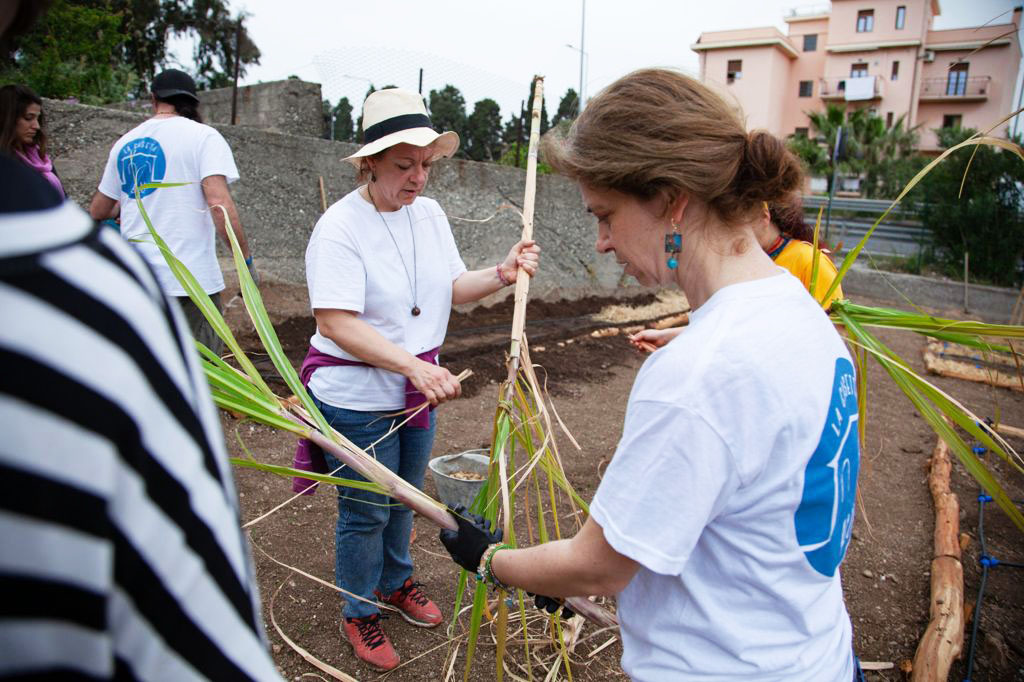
673 245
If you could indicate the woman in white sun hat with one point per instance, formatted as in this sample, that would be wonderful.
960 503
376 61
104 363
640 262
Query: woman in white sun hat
383 272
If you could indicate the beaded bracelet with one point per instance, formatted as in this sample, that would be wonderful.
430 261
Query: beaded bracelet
505 282
485 572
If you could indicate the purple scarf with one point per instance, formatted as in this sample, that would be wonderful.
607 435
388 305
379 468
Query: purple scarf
40 164
308 455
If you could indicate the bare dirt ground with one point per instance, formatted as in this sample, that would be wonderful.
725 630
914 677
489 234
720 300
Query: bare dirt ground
885 576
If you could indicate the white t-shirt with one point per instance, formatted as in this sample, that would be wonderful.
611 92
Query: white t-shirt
354 263
733 487
174 149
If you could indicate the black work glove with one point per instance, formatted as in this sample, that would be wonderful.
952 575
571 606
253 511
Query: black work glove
550 604
468 543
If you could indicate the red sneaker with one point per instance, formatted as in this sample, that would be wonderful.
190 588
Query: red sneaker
414 606
370 643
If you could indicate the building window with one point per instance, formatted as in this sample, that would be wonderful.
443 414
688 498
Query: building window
859 70
810 42
901 17
865 21
952 120
888 120
806 89
895 71
956 79
801 132
734 70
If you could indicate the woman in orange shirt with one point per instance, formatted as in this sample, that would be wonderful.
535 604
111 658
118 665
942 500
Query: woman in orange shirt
788 240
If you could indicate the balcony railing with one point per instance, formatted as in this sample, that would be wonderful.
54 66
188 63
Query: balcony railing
835 87
809 10
954 86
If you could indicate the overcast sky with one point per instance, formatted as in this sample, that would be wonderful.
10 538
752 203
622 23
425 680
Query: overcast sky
492 49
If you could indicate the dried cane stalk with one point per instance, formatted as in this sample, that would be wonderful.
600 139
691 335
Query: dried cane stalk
580 605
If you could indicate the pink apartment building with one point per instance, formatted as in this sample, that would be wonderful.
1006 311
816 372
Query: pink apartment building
881 54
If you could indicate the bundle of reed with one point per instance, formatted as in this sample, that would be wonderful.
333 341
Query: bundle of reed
524 455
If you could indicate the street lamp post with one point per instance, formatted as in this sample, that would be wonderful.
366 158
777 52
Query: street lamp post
579 95
583 20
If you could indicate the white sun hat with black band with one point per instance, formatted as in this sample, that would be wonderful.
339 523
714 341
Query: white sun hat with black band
394 116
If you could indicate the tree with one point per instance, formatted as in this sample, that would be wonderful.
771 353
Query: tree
149 24
511 128
483 131
987 221
883 155
568 107
508 158
342 121
448 112
68 54
359 121
102 50
891 158
814 156
215 50
827 125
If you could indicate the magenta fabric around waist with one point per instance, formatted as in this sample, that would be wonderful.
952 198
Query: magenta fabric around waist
308 455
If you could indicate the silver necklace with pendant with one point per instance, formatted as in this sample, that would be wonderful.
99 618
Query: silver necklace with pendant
413 279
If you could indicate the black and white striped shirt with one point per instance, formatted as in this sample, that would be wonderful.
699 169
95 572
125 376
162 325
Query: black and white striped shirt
121 555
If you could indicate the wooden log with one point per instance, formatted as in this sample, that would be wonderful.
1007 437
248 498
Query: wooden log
947 506
947 526
943 639
680 320
973 356
1010 431
961 370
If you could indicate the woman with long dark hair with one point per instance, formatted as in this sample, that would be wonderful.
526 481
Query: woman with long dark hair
23 131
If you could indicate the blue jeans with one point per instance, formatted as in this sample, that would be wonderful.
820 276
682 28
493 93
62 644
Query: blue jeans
371 540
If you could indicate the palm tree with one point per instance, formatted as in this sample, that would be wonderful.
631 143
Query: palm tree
827 124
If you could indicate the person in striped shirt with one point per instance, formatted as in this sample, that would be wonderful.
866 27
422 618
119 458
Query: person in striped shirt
122 554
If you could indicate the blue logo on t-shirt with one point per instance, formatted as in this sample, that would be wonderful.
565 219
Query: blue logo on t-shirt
140 162
824 519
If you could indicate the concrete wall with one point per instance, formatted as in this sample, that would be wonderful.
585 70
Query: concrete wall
278 198
279 202
991 304
289 106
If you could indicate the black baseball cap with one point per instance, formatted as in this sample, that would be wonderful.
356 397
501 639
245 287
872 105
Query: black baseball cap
174 82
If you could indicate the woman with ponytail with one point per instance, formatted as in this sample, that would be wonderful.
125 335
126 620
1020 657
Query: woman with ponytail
723 517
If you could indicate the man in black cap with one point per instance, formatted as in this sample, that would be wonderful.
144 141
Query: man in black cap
174 146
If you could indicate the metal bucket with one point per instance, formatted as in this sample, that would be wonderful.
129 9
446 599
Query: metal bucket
455 491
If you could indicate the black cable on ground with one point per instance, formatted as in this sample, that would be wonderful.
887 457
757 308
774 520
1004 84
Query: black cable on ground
987 561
